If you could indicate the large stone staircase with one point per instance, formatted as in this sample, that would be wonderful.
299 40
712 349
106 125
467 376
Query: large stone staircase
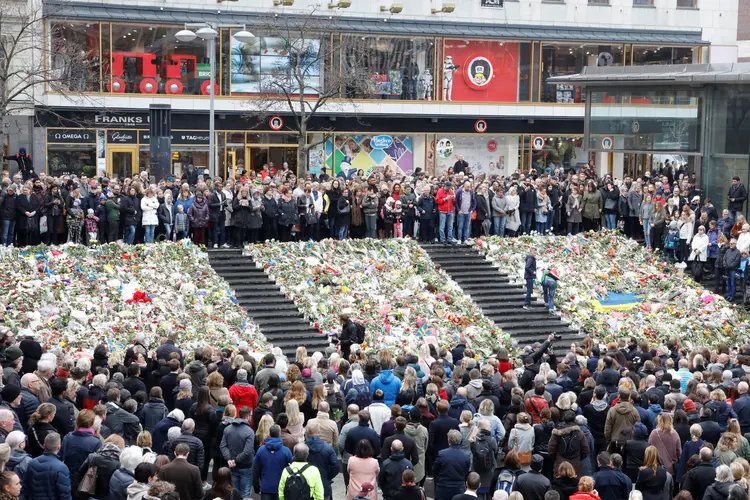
277 316
500 299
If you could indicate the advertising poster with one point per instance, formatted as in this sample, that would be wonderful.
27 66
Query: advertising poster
371 153
485 71
265 65
484 154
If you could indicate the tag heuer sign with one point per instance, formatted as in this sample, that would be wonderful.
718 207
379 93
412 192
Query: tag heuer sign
492 3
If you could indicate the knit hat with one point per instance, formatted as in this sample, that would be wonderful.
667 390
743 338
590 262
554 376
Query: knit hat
13 352
688 405
10 393
186 385
415 415
267 398
331 376
537 461
102 197
242 375
90 211
306 372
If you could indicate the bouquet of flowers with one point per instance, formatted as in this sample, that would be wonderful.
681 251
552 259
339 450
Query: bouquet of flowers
391 287
73 298
594 265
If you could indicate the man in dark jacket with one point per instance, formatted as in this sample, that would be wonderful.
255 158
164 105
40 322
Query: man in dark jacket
348 335
120 421
531 362
611 484
459 404
168 383
742 407
154 410
185 476
533 485
699 478
238 449
159 434
487 394
134 383
269 463
363 431
47 478
324 458
737 197
168 347
529 274
64 421
389 478
9 214
409 448
439 428
732 259
596 415
451 467
711 429
197 451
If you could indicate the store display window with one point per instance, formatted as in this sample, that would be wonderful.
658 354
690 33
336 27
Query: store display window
655 55
561 59
75 62
70 160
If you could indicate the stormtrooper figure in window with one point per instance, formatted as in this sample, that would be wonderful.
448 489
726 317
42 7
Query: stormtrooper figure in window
448 69
426 93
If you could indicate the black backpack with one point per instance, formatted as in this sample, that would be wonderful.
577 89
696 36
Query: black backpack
296 485
483 456
360 333
570 447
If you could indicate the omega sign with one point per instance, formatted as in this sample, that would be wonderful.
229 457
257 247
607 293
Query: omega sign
70 136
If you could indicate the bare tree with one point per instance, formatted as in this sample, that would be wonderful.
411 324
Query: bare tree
29 65
307 78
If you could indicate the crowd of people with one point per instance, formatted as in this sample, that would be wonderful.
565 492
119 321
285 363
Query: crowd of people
603 422
665 209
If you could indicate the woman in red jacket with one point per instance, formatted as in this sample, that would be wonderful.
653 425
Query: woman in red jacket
586 490
242 393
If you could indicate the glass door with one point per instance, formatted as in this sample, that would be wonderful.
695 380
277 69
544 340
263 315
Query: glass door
122 161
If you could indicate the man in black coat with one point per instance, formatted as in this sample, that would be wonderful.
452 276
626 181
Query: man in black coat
389 478
533 485
596 415
699 478
439 428
408 447
487 394
737 197
532 364
360 432
711 429
197 451
64 421
169 382
461 165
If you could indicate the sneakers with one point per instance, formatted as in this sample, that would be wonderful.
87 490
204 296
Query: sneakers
216 246
225 245
526 307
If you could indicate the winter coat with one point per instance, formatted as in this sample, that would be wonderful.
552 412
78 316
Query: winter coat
288 212
565 486
343 211
722 412
562 446
451 467
166 213
29 404
269 463
198 213
256 215
483 210
149 206
609 198
543 207
521 438
389 384
238 443
106 460
484 436
592 204
35 437
205 425
532 485
243 394
739 193
699 248
197 455
47 478
243 215
634 203
458 405
216 203
426 207
542 435
573 208
323 456
686 228
138 491
389 477
18 462
123 423
129 207
718 491
512 211
153 412
359 432
596 415
527 198
699 478
620 417
8 206
654 485
159 434
76 448
445 205
118 485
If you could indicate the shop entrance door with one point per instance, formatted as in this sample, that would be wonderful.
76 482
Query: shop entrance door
122 161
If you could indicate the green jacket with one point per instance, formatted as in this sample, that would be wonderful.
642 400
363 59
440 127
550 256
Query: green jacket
311 474
113 210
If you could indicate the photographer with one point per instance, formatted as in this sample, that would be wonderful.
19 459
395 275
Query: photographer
532 361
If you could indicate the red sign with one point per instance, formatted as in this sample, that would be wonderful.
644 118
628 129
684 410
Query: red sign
492 146
276 123
488 70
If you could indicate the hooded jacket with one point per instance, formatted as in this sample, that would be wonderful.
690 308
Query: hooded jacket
159 434
563 443
118 485
653 412
323 456
474 389
269 463
137 491
387 383
153 412
243 394
596 416
635 450
622 416
458 405
123 423
238 443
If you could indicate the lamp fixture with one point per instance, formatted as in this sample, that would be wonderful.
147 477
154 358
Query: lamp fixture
446 8
284 3
395 8
341 4
243 36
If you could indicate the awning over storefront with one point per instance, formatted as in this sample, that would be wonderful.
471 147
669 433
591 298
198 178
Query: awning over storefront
686 74
393 26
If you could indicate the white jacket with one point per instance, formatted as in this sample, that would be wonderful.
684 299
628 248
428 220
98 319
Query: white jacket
686 229
699 247
228 211
379 413
149 206
743 242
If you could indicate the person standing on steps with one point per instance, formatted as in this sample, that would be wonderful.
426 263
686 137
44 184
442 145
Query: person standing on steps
529 274
549 285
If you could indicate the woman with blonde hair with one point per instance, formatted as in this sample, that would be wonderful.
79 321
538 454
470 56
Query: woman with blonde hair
297 392
738 473
721 411
733 427
296 426
407 395
318 395
726 449
586 490
667 442
264 431
486 411
40 425
300 355
692 447
521 439
466 426
216 388
654 482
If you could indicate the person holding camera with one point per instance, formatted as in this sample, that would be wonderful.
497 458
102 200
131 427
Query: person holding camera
532 360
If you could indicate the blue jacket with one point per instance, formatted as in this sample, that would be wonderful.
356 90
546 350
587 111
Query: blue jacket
691 448
387 383
458 405
269 463
153 412
238 443
653 412
47 478
459 195
324 458
159 434
742 409
29 404
612 484
76 447
722 412
358 433
451 467
118 485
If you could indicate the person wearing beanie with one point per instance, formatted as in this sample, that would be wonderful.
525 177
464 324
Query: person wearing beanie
419 433
160 434
533 485
12 365
694 415
184 399
242 393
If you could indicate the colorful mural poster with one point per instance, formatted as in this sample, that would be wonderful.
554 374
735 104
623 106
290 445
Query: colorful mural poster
370 153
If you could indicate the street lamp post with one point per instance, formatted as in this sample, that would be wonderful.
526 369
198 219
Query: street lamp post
209 34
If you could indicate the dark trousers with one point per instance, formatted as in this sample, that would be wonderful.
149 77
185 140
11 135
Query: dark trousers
271 228
529 289
269 496
51 237
590 224
657 235
285 233
344 469
409 226
218 233
425 230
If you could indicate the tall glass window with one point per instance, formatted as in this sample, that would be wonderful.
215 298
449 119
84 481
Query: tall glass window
75 64
561 59
653 55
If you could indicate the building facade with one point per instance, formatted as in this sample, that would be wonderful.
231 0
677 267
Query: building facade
399 86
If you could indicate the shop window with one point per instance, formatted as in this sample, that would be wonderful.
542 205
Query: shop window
643 3
75 63
560 59
71 160
687 4
656 55
598 2
150 60
389 67
549 153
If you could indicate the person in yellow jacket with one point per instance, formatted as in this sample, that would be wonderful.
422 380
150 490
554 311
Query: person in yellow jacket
310 474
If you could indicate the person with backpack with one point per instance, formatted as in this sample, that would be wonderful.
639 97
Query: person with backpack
549 280
533 485
508 474
301 480
483 455
409 488
392 470
568 444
